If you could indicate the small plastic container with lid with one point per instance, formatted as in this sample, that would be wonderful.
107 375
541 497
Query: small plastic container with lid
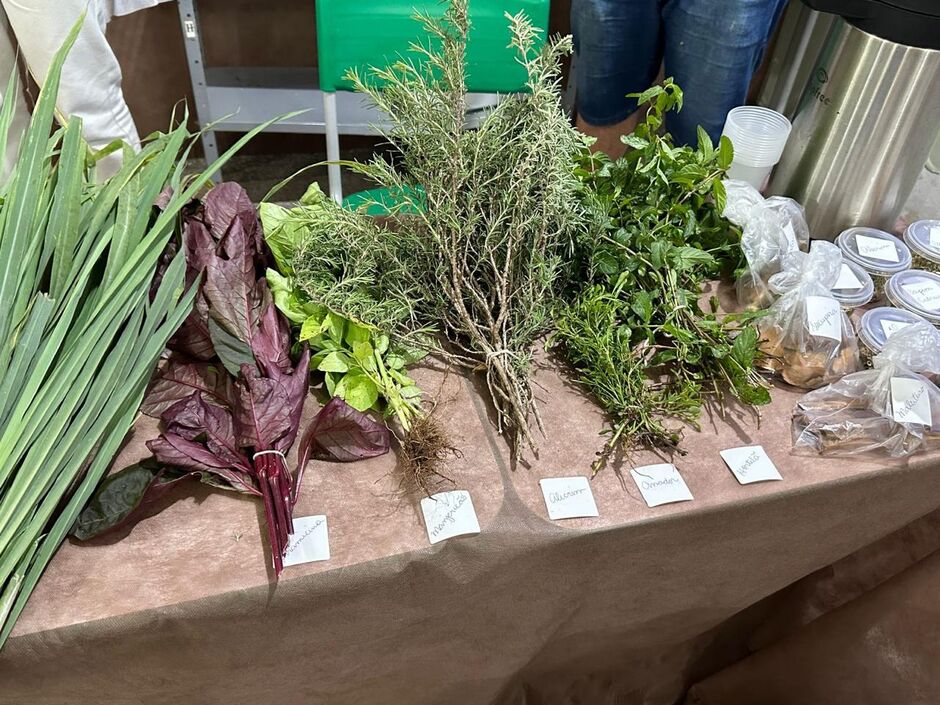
854 287
917 291
879 253
877 325
923 239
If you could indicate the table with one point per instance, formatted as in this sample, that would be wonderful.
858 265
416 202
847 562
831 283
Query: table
183 610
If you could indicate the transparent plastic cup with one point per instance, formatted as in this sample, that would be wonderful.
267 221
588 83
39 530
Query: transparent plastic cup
759 136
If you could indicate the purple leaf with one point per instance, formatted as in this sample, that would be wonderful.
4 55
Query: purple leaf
193 419
235 296
294 385
193 337
342 434
223 203
178 380
172 449
262 414
272 341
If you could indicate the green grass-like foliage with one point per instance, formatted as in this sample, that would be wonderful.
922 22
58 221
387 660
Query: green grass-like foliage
485 247
82 320
635 334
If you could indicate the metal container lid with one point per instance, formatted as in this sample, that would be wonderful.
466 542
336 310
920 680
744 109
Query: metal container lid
923 237
854 287
878 324
917 291
876 251
914 23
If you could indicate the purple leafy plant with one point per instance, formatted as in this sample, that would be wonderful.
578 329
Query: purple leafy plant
229 397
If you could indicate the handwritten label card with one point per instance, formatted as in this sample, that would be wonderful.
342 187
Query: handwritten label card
876 248
309 542
568 497
847 279
892 327
824 317
750 464
661 484
449 514
925 293
790 234
910 401
935 235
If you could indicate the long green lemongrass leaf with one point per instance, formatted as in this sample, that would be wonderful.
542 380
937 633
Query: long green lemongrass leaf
6 119
27 343
66 208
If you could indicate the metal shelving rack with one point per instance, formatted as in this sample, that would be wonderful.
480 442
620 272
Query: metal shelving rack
236 99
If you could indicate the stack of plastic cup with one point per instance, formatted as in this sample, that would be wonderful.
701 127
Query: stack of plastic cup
758 136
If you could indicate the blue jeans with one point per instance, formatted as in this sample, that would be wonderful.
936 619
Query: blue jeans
710 47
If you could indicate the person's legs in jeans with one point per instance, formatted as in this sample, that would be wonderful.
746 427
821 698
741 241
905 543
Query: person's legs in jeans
712 54
619 48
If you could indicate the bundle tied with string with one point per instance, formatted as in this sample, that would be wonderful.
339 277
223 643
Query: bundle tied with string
893 409
807 338
770 228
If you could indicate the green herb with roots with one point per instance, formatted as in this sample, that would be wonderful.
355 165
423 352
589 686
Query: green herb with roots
329 284
492 212
636 335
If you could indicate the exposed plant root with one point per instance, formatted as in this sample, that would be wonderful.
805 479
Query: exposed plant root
422 456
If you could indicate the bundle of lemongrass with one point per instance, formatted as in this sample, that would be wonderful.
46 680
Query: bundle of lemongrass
80 329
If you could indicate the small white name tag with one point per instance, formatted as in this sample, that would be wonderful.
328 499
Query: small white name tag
876 248
892 327
790 234
309 542
661 484
824 317
910 401
568 497
750 464
935 235
449 514
926 294
847 279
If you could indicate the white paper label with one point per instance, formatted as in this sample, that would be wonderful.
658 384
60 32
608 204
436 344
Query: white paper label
910 401
824 317
568 497
847 279
449 514
309 542
892 327
790 234
750 464
661 484
935 235
926 293
876 248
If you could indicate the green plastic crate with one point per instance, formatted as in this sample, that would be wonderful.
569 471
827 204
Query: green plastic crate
362 33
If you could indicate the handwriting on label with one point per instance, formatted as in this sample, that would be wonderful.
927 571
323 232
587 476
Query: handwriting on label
926 293
892 327
847 279
568 497
876 248
910 401
750 464
824 317
661 484
449 514
309 542
790 234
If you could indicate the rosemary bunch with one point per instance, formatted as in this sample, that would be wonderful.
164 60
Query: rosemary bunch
635 334
483 257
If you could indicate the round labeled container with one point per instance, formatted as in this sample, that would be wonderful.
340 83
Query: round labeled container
917 291
854 287
879 253
923 239
877 325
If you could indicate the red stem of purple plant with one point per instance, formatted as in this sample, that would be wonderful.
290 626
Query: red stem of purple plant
277 551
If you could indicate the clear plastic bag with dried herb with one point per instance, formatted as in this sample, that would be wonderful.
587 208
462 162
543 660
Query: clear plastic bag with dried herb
806 337
892 409
770 228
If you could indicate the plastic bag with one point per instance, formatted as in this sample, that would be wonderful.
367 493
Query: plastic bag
892 409
770 228
806 336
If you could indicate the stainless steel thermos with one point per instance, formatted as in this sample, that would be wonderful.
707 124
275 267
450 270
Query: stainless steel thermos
867 116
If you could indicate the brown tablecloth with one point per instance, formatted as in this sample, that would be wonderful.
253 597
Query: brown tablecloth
182 609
